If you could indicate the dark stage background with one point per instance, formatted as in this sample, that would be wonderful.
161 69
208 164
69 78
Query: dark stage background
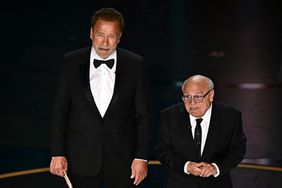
236 43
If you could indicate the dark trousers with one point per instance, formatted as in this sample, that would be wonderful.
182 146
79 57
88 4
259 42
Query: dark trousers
100 181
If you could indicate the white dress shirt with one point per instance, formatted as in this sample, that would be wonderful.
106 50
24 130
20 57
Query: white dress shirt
102 81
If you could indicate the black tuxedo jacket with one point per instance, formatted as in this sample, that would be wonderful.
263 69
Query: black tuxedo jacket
90 142
225 145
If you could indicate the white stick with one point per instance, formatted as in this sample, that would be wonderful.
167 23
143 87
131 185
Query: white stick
67 180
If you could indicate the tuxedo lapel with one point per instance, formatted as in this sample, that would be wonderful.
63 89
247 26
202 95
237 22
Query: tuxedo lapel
120 72
191 140
187 124
84 75
185 131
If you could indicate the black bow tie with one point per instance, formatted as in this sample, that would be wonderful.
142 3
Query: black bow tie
109 63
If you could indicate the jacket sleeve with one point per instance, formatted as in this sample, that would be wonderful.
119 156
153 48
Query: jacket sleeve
61 108
143 112
236 149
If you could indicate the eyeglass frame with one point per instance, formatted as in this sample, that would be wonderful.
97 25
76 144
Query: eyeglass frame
192 98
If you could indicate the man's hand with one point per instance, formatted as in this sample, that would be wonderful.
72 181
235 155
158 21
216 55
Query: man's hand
138 171
207 169
194 168
58 165
201 169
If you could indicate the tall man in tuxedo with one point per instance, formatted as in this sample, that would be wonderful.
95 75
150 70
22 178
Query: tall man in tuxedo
102 114
200 141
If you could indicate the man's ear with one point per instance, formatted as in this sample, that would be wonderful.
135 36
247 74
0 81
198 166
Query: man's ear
119 37
91 33
211 96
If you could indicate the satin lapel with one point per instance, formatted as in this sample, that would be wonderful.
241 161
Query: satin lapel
186 119
189 134
120 72
84 75
185 129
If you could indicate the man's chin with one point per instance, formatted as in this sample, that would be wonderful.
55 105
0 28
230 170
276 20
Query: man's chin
104 55
195 113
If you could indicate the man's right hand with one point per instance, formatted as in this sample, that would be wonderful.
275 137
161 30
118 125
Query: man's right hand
58 165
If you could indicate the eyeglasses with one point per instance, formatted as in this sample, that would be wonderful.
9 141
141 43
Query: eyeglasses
195 98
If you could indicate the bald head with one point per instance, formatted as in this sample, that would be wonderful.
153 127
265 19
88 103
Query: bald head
200 81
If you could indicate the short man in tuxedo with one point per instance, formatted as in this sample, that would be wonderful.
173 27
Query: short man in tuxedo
200 141
102 114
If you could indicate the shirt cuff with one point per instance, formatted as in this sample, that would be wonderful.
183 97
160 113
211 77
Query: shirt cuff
141 160
217 170
185 167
